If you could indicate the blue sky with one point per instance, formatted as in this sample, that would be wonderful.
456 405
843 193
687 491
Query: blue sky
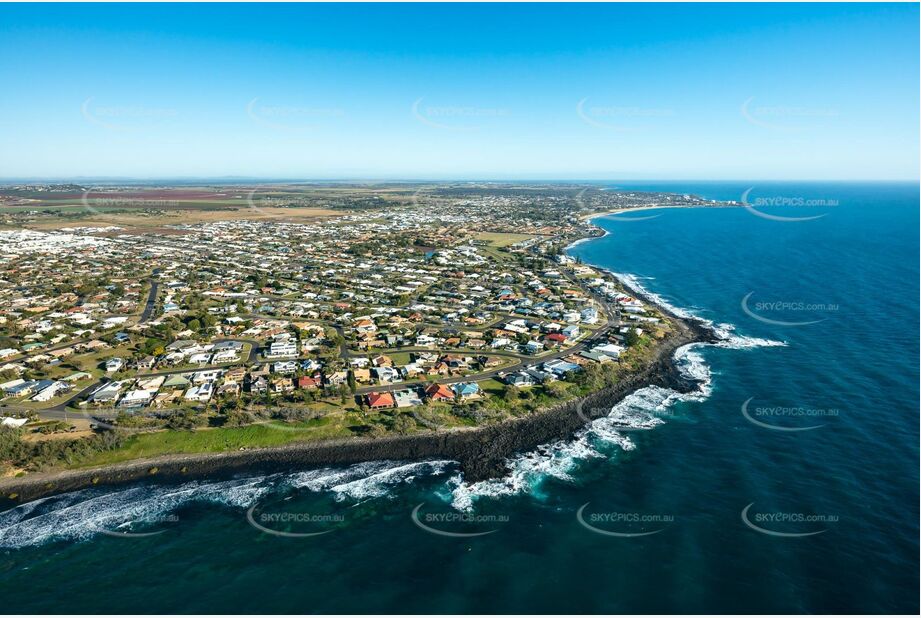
420 91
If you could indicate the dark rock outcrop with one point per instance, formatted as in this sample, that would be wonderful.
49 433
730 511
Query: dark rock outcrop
481 451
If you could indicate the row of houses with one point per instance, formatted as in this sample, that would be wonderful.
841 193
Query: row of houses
416 396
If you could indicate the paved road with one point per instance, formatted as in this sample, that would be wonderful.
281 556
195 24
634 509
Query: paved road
145 315
612 314
151 302
60 411
613 321
486 375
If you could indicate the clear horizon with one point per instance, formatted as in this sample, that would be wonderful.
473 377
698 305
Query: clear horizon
428 93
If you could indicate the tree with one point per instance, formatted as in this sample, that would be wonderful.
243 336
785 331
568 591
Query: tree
152 345
631 337
237 418
353 386
556 389
402 424
376 431
511 393
181 419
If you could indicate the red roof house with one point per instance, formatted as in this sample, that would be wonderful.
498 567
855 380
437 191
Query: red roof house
380 400
439 392
308 382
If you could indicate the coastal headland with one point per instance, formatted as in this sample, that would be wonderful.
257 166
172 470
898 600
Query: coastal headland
451 325
481 451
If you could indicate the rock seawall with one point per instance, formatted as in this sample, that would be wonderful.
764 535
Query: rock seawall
481 451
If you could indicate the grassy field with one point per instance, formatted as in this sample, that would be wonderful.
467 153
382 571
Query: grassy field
399 358
492 386
221 439
500 239
90 362
140 219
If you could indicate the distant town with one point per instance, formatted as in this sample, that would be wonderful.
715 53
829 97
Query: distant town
140 320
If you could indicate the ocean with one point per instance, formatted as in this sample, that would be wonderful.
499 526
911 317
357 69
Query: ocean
787 482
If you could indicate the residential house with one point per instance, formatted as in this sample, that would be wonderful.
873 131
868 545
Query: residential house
282 349
466 390
51 390
176 381
380 400
258 385
533 347
308 382
560 367
282 385
284 368
407 398
439 392
520 379
107 393
387 374
136 398
572 331
201 392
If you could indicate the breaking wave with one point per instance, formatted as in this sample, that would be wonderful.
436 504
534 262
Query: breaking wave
367 480
588 238
641 410
725 332
603 437
83 514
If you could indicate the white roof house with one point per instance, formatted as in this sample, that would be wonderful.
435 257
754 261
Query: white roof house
202 392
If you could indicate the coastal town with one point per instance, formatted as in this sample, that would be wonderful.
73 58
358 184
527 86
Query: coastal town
330 315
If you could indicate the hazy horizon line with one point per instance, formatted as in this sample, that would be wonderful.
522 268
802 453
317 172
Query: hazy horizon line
408 180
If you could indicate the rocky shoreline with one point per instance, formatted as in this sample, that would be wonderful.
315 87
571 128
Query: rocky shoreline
481 452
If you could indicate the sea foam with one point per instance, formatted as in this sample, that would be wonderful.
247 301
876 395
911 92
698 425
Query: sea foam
367 480
81 514
642 410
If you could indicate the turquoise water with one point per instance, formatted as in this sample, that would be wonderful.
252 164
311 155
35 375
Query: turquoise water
687 466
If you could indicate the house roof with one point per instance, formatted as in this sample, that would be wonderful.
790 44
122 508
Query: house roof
176 380
466 388
439 391
379 400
